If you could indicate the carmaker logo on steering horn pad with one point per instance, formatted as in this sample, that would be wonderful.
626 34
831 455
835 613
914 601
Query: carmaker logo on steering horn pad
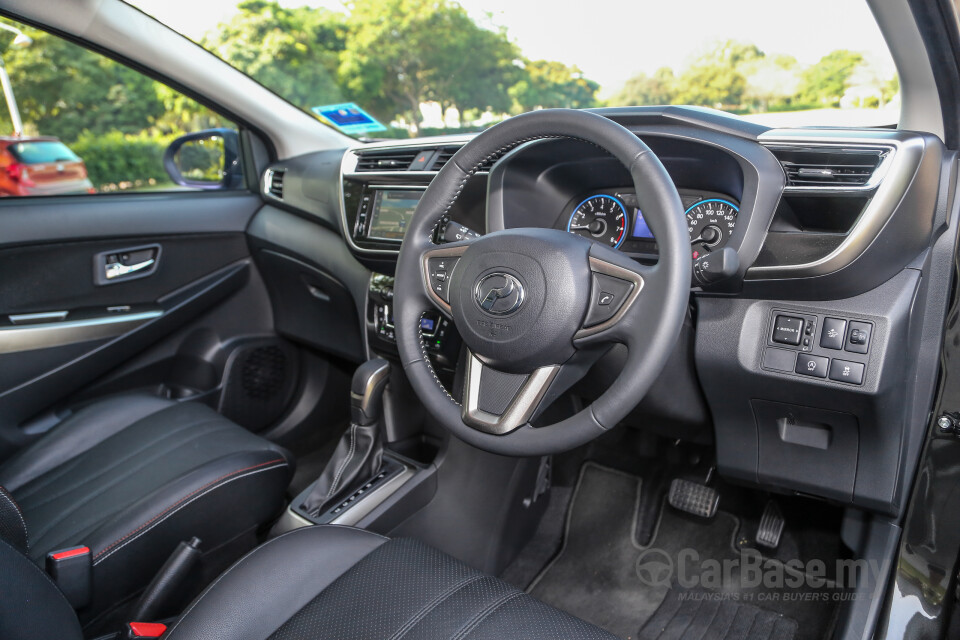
499 293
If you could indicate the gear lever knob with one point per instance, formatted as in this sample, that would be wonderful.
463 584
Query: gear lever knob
366 391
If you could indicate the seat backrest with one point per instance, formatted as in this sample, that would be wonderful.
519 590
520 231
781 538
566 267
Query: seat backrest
31 605
13 528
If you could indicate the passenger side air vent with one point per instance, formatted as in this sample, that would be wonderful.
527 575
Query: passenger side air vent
445 153
819 167
274 183
386 160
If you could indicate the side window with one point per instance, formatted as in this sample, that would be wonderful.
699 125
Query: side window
73 121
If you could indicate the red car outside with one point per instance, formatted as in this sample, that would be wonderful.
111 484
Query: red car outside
40 166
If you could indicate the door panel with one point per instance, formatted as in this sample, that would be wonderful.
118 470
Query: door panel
51 261
62 276
66 219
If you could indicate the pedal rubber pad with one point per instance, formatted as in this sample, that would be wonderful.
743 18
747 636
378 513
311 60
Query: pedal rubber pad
771 526
691 497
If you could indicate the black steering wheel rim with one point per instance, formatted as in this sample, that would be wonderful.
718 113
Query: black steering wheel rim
650 330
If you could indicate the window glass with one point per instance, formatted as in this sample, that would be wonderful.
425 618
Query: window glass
75 122
399 68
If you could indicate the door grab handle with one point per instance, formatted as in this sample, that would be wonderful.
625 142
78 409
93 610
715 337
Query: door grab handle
115 269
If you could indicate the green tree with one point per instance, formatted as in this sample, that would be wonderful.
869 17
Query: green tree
294 52
401 53
641 89
547 83
714 79
823 84
62 90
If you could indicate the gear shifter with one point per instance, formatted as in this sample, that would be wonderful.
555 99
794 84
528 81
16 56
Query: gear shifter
359 454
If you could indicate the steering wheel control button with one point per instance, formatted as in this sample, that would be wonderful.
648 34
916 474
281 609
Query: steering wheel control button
815 366
788 330
439 270
844 371
607 295
499 293
834 329
858 337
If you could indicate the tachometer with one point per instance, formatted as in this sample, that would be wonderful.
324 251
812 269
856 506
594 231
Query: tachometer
602 218
710 223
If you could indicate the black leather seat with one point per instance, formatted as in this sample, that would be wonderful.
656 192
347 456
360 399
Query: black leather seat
132 476
331 582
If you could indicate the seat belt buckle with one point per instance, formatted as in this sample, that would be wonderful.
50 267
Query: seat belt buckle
72 571
145 630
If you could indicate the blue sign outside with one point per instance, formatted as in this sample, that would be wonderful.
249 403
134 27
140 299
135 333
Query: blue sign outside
349 118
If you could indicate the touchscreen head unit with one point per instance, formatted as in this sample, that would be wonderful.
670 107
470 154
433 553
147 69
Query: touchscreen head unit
391 213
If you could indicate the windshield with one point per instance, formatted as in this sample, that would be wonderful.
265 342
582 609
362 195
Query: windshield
399 68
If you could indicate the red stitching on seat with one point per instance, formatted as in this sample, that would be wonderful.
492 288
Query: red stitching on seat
180 501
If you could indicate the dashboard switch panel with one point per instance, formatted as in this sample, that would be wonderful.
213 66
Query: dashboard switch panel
834 330
845 371
815 366
779 359
858 338
788 330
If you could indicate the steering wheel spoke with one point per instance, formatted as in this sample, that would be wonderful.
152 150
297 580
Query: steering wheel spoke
616 292
437 267
497 402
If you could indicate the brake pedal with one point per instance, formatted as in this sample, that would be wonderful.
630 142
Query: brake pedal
694 498
771 526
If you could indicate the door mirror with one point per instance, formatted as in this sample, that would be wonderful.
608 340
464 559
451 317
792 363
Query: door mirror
208 159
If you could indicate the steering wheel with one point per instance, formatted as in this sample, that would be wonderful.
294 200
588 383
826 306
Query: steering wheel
537 307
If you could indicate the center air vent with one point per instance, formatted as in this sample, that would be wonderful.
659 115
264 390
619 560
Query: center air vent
274 180
818 167
386 160
445 153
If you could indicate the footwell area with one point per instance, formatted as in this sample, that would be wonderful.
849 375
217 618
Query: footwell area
703 615
691 567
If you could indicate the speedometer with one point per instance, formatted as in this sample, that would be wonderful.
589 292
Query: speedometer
710 223
602 218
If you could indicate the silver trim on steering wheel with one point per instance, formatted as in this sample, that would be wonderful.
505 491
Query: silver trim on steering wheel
520 409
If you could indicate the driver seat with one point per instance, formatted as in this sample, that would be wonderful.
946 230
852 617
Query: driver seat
314 583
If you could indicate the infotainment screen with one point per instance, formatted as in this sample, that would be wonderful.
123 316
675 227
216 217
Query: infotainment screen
392 211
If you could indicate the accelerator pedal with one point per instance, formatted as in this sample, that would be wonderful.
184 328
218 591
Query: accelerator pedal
771 526
694 498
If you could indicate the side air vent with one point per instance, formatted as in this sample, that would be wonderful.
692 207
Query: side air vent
821 167
386 160
445 153
274 183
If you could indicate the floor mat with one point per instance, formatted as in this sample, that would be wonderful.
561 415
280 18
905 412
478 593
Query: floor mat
603 576
698 615
545 542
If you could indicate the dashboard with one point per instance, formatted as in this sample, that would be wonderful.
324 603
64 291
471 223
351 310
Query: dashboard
793 364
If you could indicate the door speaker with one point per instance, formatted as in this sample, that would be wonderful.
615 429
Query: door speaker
259 383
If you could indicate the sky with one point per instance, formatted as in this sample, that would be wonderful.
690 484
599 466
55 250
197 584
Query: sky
612 40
